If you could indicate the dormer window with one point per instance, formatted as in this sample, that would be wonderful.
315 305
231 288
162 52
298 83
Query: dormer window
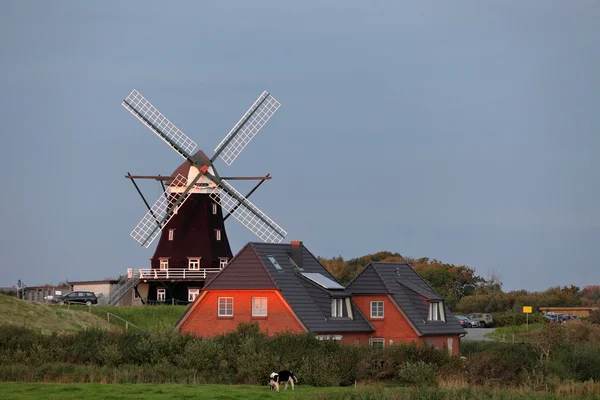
436 311
337 308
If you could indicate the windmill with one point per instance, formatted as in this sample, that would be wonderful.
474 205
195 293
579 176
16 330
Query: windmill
194 232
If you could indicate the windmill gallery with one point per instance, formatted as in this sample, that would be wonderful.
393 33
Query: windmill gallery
281 286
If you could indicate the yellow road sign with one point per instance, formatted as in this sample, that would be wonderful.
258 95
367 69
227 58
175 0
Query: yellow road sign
527 309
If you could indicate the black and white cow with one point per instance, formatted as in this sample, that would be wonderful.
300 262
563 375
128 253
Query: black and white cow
277 378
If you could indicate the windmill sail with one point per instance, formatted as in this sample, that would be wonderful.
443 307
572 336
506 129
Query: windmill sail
160 213
247 213
247 127
141 108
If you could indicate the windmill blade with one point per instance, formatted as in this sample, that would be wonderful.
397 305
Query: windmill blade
247 213
160 214
247 127
141 108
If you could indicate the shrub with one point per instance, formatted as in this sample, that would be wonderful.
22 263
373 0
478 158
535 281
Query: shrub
416 374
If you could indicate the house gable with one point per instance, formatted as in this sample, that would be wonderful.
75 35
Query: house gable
409 291
245 271
205 320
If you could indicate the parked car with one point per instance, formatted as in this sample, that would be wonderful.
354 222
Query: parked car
79 297
484 320
466 322
551 317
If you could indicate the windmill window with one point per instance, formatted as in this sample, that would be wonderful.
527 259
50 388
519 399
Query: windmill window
436 311
274 262
223 262
194 263
337 308
164 264
259 306
218 234
225 306
214 208
192 294
377 309
161 294
171 234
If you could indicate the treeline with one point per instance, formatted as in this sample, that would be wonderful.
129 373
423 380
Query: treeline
567 296
463 289
246 356
451 281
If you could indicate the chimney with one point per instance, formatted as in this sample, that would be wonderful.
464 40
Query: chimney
297 252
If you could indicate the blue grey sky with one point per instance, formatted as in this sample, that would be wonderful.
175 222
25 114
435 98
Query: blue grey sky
465 131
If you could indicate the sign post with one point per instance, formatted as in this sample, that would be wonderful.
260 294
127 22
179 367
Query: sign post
527 310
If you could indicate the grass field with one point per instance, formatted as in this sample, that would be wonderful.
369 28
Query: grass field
47 391
146 318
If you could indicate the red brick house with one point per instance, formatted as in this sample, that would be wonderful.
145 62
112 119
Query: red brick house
283 287
402 307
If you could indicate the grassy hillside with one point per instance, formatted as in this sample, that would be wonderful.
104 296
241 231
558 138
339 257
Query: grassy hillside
46 318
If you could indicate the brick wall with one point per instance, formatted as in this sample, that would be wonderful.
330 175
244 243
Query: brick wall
204 319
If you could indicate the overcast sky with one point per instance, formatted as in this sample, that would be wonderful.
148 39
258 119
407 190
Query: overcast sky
466 131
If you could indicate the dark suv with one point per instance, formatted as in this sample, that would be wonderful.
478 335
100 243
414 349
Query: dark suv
80 297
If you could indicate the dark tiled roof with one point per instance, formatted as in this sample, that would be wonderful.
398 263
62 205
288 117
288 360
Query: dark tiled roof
409 290
310 302
298 291
244 271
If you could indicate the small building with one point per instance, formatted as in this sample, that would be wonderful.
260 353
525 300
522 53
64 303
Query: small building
42 293
283 287
101 288
402 307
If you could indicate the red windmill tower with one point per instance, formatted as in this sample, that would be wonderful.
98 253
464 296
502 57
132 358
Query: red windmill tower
189 215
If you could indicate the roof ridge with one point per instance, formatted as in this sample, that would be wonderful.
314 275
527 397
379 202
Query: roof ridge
381 278
257 254
206 286
420 294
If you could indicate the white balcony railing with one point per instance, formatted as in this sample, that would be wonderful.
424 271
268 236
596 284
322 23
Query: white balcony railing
172 273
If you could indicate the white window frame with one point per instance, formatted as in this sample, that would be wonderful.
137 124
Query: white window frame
436 311
259 306
193 294
377 314
214 208
161 294
164 264
223 262
223 306
377 342
194 263
218 234
171 234
329 337
337 308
